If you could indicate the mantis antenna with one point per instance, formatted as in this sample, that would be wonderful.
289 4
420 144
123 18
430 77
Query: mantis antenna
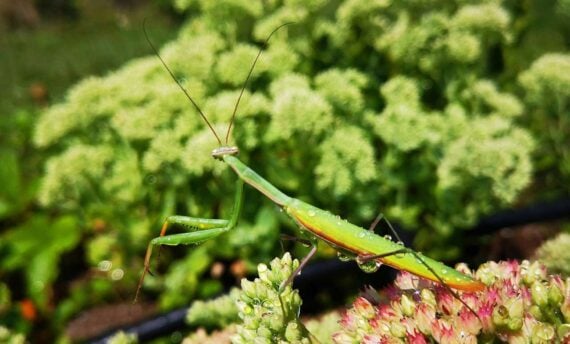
192 100
248 77
179 84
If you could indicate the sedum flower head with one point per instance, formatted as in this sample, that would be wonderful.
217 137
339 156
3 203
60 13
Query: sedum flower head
67 174
484 151
268 314
219 312
490 17
343 89
297 110
547 78
230 65
520 304
347 159
555 254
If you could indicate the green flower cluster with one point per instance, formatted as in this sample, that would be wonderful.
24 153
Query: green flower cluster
547 89
555 254
521 304
216 313
269 313
260 311
357 107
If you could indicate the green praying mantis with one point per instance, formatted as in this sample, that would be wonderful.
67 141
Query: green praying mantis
369 249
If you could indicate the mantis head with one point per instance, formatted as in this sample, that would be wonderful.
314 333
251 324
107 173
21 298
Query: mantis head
219 152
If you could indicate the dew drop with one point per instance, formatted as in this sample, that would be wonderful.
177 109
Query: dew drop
369 266
361 235
344 257
388 237
311 213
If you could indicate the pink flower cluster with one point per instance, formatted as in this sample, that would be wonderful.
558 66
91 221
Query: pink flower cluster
521 304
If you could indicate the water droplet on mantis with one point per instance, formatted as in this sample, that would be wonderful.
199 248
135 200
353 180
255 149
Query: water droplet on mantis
369 266
388 237
312 213
344 257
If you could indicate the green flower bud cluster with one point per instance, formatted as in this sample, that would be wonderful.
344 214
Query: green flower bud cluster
521 304
269 312
216 313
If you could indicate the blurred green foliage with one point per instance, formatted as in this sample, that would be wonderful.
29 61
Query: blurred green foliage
430 111
41 251
555 254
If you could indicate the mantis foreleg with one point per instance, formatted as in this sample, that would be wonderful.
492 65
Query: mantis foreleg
201 230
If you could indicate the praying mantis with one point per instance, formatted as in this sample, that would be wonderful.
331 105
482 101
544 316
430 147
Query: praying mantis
369 249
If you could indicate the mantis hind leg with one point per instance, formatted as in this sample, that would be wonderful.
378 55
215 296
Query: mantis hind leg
371 257
201 230
302 264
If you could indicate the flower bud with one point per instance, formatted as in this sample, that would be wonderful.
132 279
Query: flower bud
364 308
539 294
555 295
408 305
397 329
565 307
248 288
500 316
515 309
535 311
428 297
425 315
563 333
542 333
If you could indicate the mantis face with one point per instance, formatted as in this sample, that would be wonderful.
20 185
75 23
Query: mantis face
219 152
